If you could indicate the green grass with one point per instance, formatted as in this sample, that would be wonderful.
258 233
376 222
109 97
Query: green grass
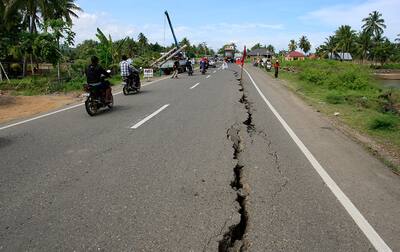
39 85
351 90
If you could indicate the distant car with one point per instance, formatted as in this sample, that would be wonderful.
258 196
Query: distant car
212 63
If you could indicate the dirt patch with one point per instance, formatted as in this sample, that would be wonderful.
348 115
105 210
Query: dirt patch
17 107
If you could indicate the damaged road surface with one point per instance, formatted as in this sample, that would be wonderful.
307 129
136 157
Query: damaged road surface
215 171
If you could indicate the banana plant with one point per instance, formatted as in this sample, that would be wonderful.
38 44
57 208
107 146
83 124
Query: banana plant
109 51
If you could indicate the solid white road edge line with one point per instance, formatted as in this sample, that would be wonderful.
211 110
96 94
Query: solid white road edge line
208 76
195 85
65 109
358 218
137 125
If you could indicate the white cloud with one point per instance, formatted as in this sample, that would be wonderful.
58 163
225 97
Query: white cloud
352 15
86 25
215 35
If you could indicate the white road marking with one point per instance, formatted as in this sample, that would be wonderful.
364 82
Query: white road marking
195 85
214 71
358 218
65 109
137 125
208 76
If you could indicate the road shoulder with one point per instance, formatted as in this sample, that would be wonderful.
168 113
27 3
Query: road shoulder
371 186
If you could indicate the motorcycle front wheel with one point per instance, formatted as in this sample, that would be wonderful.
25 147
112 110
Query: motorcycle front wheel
91 107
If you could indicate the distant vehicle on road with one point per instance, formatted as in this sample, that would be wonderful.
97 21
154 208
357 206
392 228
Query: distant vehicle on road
212 64
229 53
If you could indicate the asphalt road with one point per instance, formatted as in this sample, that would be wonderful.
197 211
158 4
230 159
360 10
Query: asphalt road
198 163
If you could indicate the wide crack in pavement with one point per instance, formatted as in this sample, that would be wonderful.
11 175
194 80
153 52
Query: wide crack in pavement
235 238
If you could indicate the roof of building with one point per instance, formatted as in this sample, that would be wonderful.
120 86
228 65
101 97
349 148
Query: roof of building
295 54
340 56
259 52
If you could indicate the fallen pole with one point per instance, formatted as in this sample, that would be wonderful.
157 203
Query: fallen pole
164 56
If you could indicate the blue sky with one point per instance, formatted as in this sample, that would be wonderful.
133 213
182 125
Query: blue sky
219 22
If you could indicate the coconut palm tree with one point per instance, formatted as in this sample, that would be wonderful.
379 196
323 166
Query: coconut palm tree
346 38
271 48
65 9
292 45
304 44
364 45
329 47
374 24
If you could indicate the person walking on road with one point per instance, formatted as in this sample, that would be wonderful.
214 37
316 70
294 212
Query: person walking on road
276 66
176 70
189 67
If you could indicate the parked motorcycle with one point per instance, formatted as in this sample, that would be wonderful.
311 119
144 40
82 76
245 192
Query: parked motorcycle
268 66
96 98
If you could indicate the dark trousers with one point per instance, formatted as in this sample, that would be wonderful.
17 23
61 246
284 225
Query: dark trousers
276 72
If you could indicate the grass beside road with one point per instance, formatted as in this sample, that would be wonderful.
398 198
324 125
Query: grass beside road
39 85
350 90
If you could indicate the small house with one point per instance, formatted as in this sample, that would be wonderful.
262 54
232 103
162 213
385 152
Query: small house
260 53
345 56
295 55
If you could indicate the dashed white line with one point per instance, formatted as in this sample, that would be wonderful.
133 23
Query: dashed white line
137 125
358 218
65 109
208 76
195 85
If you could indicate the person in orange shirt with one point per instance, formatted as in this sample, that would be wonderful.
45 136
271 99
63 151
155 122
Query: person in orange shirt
276 66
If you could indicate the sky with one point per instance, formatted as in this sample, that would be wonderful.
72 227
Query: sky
244 22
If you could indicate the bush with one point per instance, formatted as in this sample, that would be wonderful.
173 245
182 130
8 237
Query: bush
383 122
334 97
333 74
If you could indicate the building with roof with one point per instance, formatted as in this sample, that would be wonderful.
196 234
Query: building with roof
295 55
260 52
340 56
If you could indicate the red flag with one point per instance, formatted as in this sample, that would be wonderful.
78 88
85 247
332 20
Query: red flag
244 55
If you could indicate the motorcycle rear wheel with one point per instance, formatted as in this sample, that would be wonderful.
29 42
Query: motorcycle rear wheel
125 90
111 104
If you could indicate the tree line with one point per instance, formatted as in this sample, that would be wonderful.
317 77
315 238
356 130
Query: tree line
40 31
367 44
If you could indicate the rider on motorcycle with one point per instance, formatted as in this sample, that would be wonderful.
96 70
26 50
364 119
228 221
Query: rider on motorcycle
94 75
128 71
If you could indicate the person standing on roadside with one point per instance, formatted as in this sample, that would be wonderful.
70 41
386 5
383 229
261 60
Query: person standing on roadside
176 69
276 67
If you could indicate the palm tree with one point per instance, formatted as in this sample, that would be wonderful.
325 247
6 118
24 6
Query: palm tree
329 47
364 44
292 45
397 39
304 44
65 9
374 24
346 38
271 48
36 11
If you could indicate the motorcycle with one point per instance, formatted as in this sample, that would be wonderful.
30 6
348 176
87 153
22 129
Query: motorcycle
132 84
96 98
190 70
268 66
